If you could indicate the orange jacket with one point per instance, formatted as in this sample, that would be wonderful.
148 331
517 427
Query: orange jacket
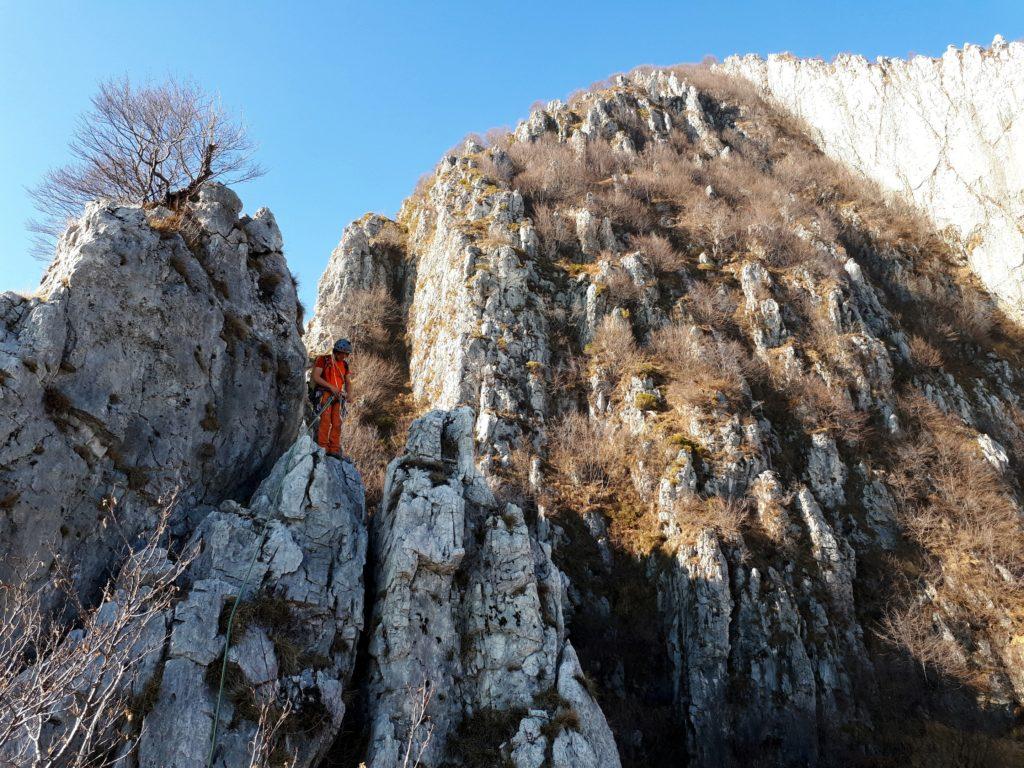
333 372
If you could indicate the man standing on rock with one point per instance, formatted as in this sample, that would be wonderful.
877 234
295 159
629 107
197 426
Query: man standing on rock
330 376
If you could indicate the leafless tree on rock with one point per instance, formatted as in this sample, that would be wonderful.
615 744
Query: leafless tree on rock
152 144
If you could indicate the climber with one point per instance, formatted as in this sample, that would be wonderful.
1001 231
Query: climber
331 377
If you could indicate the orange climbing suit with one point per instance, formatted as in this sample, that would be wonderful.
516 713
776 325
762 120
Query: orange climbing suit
334 373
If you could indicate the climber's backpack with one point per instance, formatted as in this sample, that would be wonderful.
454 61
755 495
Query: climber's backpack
313 392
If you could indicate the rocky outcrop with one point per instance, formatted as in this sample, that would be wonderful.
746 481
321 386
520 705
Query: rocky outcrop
159 356
293 559
371 255
736 588
944 132
277 586
468 653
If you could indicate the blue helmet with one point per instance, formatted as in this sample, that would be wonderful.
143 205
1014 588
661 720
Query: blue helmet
343 345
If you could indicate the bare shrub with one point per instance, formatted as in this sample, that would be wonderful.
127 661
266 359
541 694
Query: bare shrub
624 209
586 452
557 232
589 464
549 170
622 289
264 749
371 319
923 353
144 144
955 505
659 251
421 727
723 516
375 380
614 347
823 407
700 367
713 305
68 694
913 629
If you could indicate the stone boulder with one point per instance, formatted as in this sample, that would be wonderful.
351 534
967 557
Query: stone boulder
159 356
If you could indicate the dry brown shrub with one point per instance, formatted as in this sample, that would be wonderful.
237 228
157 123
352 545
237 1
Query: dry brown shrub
659 252
724 516
662 174
372 319
621 287
700 367
614 347
913 629
375 381
625 210
923 353
391 238
491 170
713 305
586 452
549 170
363 443
556 230
961 511
589 466
820 406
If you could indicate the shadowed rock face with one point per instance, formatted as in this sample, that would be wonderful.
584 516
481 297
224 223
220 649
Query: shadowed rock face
150 361
945 132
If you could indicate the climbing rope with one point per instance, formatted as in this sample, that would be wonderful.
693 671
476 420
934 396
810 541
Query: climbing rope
227 644
231 621
318 414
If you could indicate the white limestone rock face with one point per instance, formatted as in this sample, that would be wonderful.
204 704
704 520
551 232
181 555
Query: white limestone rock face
312 507
147 361
945 132
370 255
295 634
468 623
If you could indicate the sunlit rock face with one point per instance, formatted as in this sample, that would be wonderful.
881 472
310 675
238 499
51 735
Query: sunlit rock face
160 357
946 132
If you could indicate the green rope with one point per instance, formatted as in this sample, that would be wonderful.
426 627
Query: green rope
231 621
227 645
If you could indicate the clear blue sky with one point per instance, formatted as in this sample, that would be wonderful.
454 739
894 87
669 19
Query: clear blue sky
352 103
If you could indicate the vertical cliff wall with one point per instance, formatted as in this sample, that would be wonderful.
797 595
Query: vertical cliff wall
948 133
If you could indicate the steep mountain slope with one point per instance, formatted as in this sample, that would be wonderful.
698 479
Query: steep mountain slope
945 132
767 424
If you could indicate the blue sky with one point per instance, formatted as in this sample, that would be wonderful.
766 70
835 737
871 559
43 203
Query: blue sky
352 103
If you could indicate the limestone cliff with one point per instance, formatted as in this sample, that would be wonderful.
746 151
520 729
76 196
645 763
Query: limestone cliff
945 132
158 357
729 398
687 445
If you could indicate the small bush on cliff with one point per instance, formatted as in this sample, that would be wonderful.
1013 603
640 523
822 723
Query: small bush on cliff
148 144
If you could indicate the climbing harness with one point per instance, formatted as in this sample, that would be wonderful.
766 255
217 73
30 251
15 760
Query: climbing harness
318 414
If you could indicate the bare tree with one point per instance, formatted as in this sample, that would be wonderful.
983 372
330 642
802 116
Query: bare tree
421 727
156 144
67 694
